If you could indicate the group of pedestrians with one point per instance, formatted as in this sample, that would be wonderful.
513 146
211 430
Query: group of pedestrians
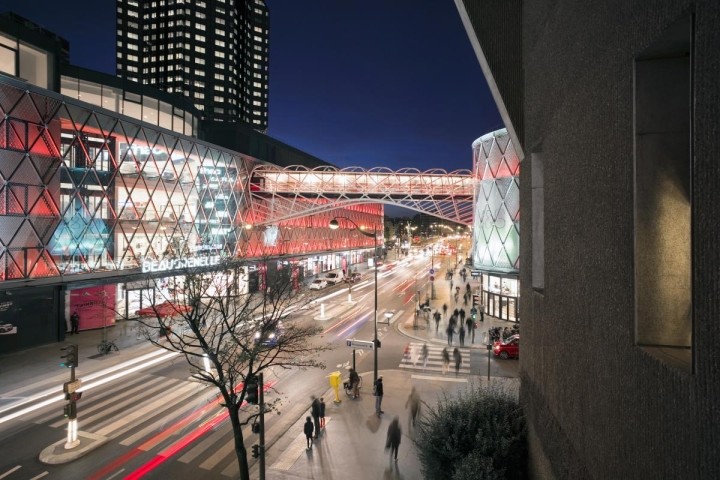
457 358
415 354
313 425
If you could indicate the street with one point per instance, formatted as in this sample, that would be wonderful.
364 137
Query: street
159 423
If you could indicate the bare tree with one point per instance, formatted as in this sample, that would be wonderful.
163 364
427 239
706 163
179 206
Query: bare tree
240 334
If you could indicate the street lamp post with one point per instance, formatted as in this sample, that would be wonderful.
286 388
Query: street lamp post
376 344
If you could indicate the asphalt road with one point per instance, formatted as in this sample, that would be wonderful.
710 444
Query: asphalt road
161 423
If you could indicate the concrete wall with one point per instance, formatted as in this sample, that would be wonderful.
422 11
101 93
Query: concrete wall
600 405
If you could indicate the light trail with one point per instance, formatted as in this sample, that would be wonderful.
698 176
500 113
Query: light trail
181 443
85 387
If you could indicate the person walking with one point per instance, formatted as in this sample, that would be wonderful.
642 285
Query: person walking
461 335
449 332
322 413
469 323
308 429
414 354
378 392
458 360
436 317
445 307
482 313
355 383
315 412
461 314
394 435
414 402
445 360
472 332
425 355
74 323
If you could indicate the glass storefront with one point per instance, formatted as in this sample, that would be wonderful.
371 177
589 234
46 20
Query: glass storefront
500 296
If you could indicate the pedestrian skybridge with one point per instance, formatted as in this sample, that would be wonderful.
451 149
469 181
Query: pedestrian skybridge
280 194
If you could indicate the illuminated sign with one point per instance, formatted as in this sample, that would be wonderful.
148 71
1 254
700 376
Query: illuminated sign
178 263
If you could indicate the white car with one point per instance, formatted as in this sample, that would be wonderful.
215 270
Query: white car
334 278
318 284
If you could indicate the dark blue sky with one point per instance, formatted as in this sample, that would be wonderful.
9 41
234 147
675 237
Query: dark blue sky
355 82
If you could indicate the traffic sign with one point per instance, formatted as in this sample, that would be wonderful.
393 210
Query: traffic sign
363 344
432 271
432 278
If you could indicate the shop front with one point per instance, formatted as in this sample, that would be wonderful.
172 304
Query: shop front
500 296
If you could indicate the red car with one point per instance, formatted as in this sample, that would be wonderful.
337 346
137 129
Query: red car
508 348
165 309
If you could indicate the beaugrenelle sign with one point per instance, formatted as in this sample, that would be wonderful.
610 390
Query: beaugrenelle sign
179 263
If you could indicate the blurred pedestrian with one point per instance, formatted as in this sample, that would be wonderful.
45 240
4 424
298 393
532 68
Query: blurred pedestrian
308 429
315 412
74 323
355 383
322 413
414 354
469 323
414 402
449 332
461 335
425 354
436 316
378 392
394 435
445 307
445 360
458 360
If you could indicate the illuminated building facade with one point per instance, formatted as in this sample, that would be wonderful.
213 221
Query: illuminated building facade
105 185
496 223
212 52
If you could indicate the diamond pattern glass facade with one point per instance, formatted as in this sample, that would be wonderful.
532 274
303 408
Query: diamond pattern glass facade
85 191
496 236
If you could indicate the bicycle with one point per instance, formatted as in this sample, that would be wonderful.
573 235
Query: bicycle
106 346
348 388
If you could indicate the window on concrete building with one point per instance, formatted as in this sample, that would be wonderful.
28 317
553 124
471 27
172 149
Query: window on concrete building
538 221
663 197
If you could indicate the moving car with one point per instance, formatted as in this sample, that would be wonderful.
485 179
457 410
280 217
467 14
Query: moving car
508 348
270 338
333 278
164 309
318 284
353 277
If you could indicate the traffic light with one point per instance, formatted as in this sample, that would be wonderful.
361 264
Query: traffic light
473 313
251 390
255 427
256 451
476 299
71 356
70 411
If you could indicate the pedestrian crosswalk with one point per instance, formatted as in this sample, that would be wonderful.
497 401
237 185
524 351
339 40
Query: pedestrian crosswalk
414 360
155 413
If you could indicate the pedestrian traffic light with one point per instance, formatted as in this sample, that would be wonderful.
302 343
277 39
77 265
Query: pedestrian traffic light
251 390
71 356
256 451
473 313
70 411
476 300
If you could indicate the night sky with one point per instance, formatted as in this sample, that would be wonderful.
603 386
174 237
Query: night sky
354 82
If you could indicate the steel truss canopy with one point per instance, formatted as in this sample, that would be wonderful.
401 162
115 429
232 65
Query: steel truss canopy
278 194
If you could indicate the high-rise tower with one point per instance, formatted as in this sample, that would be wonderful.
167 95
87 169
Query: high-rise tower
214 52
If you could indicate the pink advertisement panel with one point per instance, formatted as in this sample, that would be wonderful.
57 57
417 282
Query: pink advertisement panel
94 305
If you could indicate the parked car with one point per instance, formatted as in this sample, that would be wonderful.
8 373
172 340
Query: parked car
353 277
164 309
508 348
333 278
318 284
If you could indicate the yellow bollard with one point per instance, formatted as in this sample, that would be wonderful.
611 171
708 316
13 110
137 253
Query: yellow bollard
335 384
